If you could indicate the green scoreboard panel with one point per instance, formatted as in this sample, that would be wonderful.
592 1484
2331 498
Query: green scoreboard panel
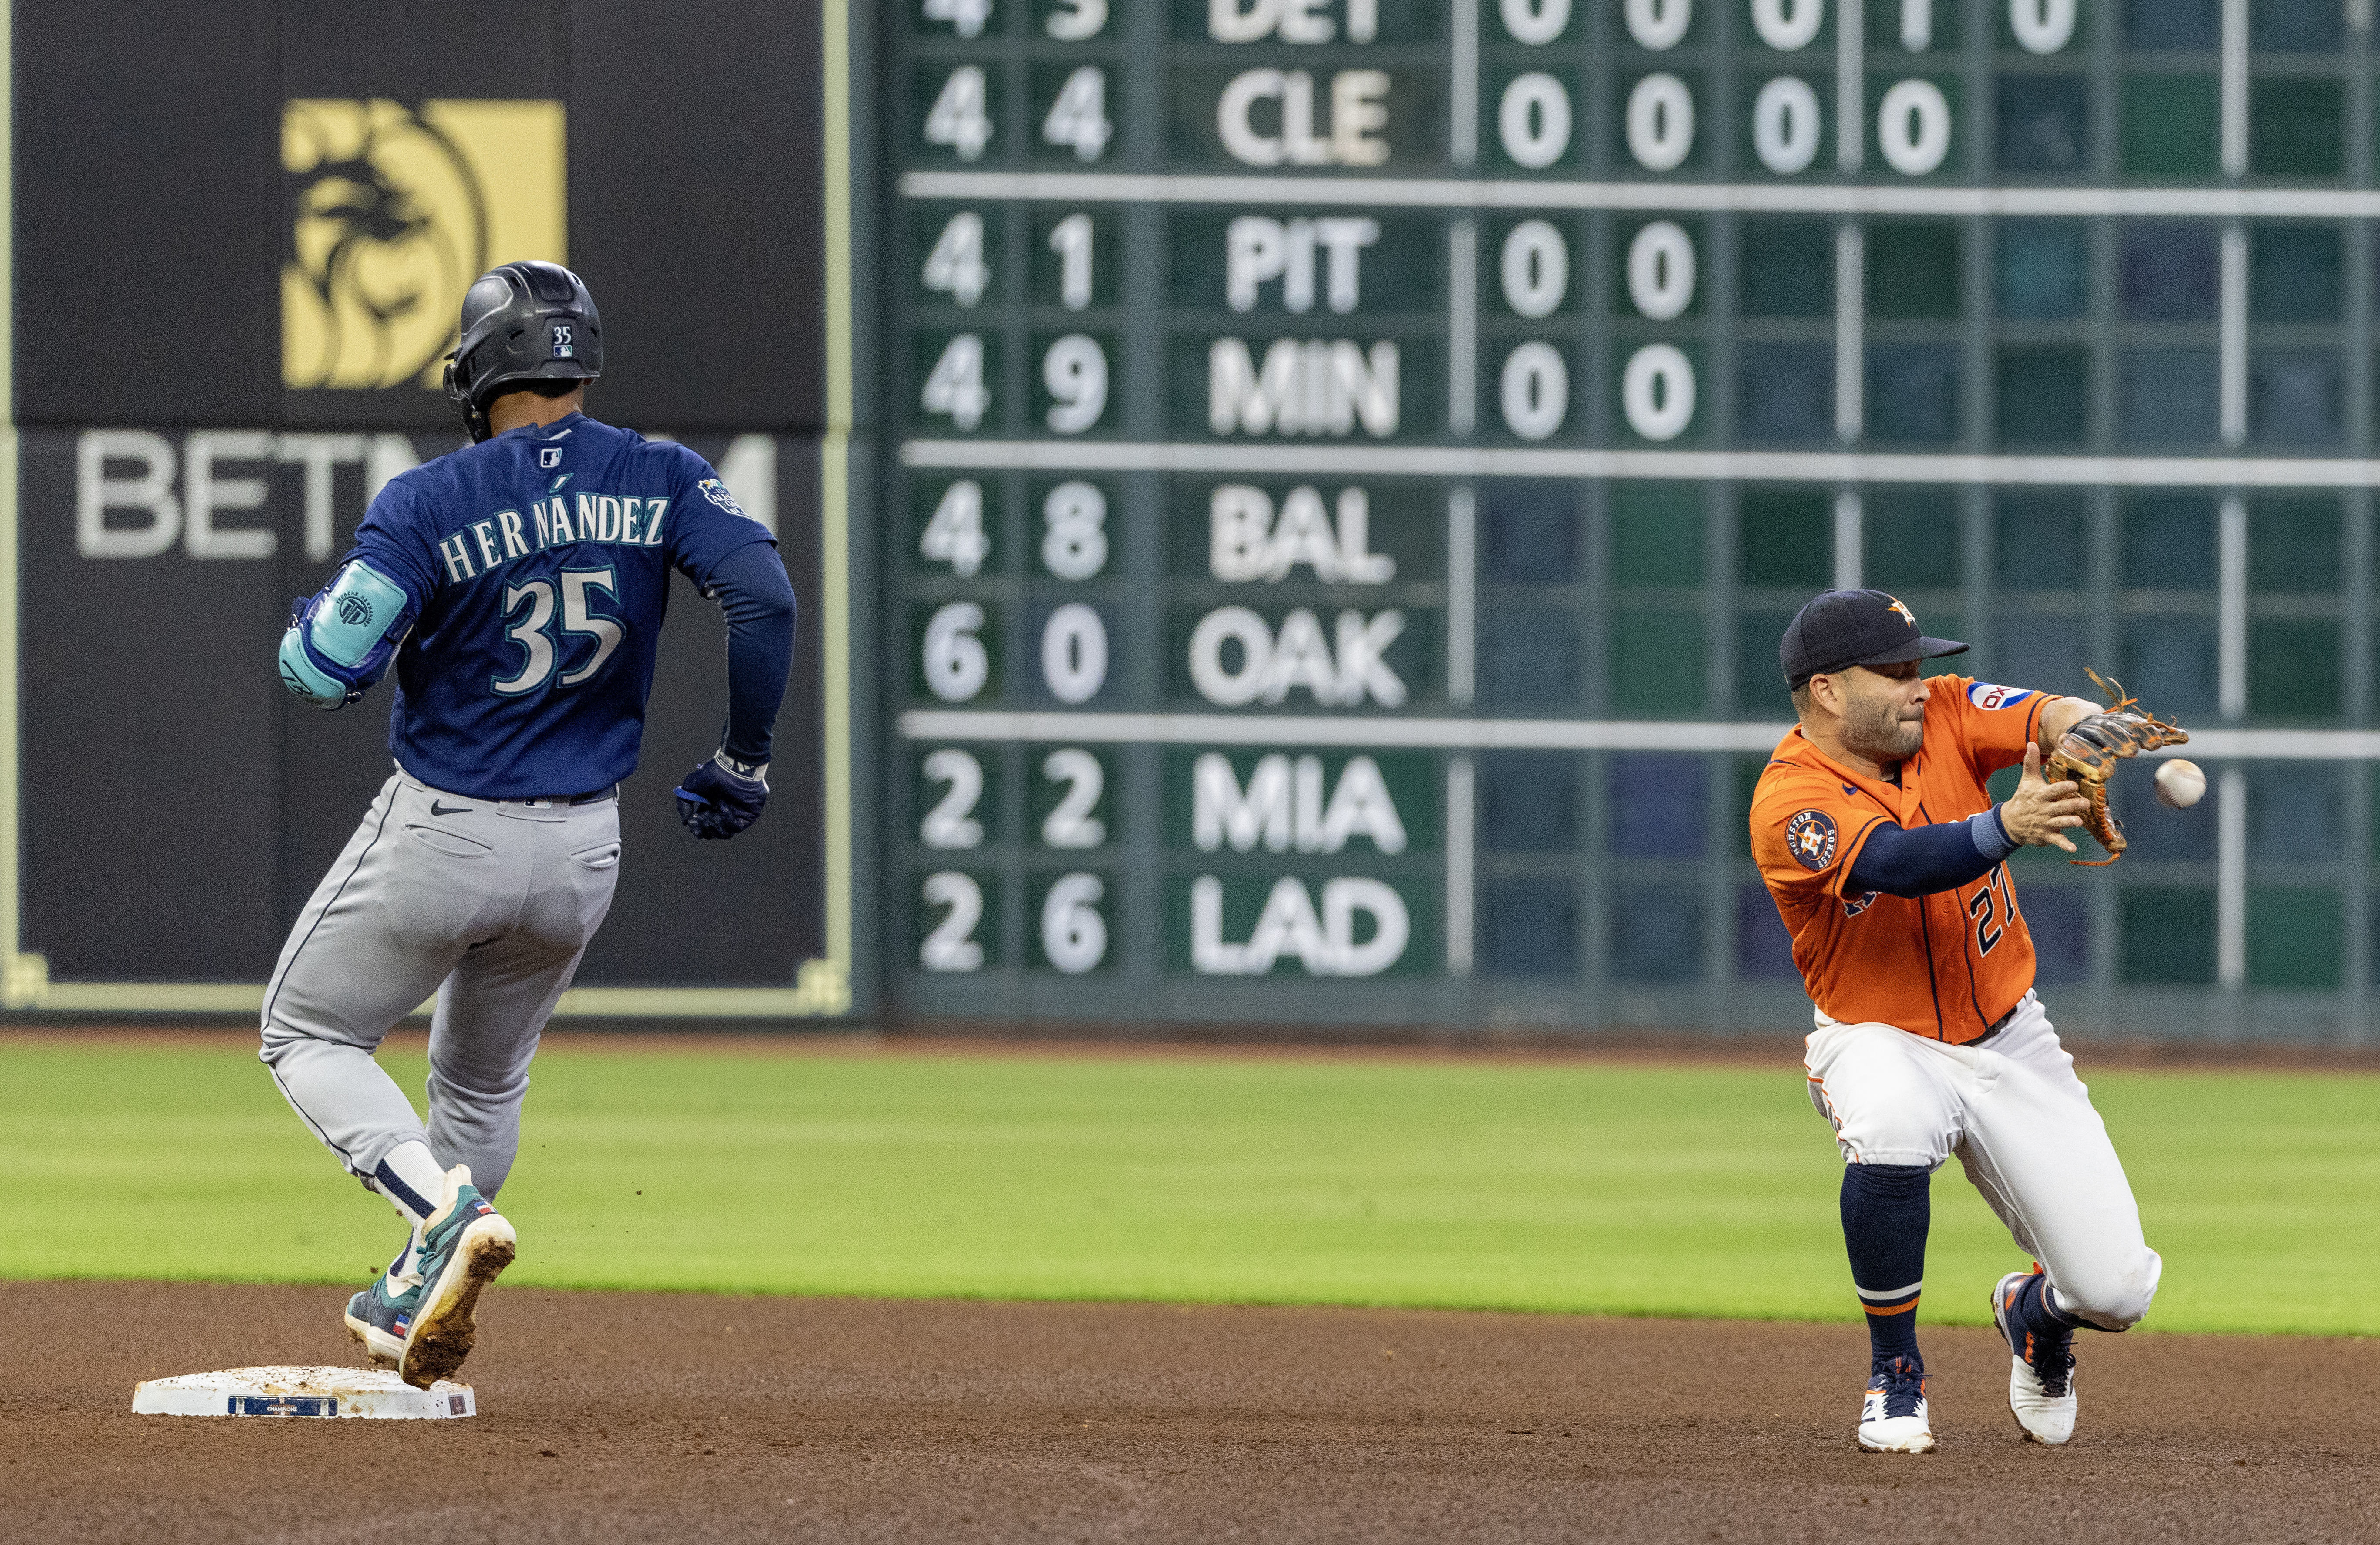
1348 464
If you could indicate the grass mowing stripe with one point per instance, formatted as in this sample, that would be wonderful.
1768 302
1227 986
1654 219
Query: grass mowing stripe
1569 1187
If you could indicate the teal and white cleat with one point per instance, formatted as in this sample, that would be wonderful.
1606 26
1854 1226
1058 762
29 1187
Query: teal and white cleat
465 1244
380 1319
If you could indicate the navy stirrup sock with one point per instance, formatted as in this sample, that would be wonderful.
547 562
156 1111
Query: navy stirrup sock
1887 1211
2037 1310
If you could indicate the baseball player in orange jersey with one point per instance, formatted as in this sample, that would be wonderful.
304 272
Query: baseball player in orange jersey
1886 858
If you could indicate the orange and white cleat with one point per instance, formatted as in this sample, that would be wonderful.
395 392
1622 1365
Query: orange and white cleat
1892 1413
2041 1366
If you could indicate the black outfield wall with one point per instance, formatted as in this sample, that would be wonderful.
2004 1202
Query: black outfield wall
239 234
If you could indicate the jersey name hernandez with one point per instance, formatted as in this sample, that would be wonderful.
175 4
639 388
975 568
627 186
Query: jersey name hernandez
537 563
1946 966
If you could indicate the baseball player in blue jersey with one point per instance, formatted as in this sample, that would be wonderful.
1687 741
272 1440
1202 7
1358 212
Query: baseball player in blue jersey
518 587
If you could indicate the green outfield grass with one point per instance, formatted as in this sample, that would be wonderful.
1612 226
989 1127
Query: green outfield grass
1576 1187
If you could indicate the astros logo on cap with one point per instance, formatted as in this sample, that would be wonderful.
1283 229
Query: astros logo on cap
1904 611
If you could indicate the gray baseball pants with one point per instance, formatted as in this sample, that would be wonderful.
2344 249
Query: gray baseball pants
487 903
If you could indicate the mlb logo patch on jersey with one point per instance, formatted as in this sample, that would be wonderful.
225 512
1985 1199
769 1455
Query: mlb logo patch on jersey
716 491
1810 837
1983 694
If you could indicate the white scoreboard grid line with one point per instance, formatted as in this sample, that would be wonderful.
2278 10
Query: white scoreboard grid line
1487 193
1306 459
1512 735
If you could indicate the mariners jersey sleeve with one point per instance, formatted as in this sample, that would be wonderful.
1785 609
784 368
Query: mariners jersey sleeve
1993 722
343 639
1807 832
705 522
395 540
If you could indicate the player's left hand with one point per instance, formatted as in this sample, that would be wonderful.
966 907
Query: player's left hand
2039 811
722 797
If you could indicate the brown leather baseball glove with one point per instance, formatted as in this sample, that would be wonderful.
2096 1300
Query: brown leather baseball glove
2087 754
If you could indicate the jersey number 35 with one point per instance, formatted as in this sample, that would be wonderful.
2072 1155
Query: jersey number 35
538 644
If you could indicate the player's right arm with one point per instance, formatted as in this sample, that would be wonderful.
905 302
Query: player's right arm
342 638
1921 860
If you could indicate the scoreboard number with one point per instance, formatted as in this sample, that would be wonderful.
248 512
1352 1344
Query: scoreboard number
1076 21
1071 239
1074 546
957 665
954 535
957 265
1534 390
966 16
1785 126
1536 269
1074 653
1657 25
1073 935
1914 127
1070 823
1657 392
1075 374
958 118
2042 26
950 823
1078 120
1788 26
1661 123
1661 271
1534 22
1533 120
956 386
951 945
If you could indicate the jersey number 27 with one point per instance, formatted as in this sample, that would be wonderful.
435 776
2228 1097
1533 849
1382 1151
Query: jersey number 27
1990 928
537 645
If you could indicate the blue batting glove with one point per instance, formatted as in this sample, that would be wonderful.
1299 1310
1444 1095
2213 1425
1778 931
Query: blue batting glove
722 797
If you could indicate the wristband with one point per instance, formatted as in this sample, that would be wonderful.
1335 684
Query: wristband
1990 835
750 771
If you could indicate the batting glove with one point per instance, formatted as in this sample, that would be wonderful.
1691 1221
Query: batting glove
722 797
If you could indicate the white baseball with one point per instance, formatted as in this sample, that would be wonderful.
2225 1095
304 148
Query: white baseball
2179 784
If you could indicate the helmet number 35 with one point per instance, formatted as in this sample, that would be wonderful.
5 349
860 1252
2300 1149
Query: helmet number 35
535 598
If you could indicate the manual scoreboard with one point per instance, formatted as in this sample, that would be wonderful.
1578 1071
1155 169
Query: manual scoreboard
1348 462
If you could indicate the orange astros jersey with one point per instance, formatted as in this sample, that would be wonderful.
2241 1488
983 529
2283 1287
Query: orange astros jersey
1946 967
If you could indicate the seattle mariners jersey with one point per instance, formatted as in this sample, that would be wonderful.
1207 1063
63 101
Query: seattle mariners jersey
1946 967
537 566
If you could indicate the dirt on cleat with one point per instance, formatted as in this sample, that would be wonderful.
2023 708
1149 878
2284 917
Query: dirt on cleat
443 1335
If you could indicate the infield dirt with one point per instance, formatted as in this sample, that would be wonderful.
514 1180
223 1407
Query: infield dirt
635 1416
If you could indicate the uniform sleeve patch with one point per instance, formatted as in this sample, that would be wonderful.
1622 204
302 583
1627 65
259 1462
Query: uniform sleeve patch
1983 694
1810 837
716 491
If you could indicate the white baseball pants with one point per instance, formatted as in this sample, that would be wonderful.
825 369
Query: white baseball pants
487 903
2021 1123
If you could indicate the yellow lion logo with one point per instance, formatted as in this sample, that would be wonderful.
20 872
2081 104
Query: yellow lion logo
394 211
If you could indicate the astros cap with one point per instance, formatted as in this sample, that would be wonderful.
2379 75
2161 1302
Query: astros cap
1841 628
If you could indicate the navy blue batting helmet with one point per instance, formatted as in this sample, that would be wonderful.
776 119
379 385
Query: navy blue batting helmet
521 323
